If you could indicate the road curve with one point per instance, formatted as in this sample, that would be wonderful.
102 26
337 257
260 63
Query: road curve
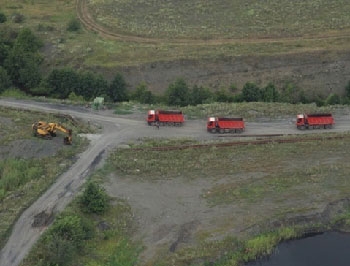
57 197
115 131
89 23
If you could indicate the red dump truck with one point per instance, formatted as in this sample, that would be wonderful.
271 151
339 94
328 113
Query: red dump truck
165 117
225 125
311 121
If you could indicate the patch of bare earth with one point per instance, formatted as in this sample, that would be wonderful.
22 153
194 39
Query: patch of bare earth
31 148
173 213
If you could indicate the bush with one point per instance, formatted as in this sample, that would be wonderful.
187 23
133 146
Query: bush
73 25
143 94
94 199
75 98
117 90
17 18
5 81
347 89
177 94
65 239
333 99
3 18
251 92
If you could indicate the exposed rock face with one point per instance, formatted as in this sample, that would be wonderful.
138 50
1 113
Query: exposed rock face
317 72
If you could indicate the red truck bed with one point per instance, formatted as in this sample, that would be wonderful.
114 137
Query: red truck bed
320 120
230 123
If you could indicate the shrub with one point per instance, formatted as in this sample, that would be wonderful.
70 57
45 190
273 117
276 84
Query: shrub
94 199
75 98
3 18
73 25
177 94
5 81
65 239
117 90
143 94
17 18
333 99
251 92
347 89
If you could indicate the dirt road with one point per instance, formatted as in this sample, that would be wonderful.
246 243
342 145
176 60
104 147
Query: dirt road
146 202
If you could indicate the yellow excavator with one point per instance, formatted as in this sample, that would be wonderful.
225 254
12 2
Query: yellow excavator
48 130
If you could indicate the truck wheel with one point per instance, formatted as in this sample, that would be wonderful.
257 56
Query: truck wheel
213 130
222 131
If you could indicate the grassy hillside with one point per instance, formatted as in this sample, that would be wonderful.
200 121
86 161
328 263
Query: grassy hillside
207 30
223 19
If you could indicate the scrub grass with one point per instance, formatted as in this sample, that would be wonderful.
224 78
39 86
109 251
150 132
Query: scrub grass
109 241
224 19
265 190
22 178
254 111
205 28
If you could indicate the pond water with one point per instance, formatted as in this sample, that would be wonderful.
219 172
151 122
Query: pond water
327 249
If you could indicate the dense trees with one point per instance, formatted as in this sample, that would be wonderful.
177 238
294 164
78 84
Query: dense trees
20 66
61 82
22 60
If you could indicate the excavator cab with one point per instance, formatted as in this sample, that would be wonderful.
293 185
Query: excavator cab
48 130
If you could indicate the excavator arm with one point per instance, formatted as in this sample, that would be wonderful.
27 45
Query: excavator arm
68 139
48 130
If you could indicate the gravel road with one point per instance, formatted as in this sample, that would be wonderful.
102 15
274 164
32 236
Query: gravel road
116 131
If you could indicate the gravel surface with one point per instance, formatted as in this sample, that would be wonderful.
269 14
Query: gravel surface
168 212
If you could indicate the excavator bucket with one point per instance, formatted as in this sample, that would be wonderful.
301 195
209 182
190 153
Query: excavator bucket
67 140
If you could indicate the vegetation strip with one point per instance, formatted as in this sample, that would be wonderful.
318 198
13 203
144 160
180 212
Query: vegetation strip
240 143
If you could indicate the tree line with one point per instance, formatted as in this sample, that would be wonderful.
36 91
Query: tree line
20 67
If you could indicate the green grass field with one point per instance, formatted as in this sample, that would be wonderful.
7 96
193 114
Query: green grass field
239 19
223 29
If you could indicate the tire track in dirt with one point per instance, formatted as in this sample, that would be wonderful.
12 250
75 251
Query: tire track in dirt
25 231
116 131
90 24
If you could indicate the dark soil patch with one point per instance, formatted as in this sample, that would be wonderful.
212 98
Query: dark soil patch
31 148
